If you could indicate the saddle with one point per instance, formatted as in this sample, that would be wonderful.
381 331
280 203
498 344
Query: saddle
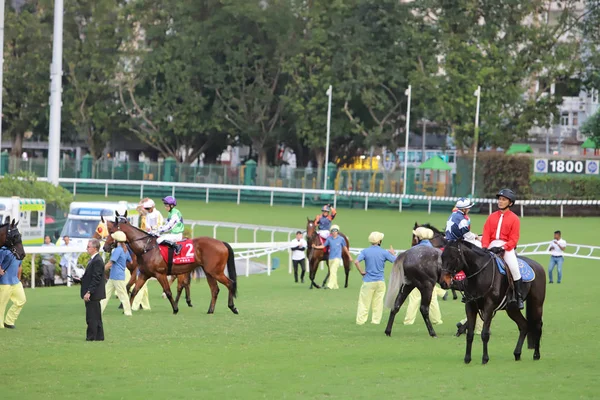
325 250
185 256
527 273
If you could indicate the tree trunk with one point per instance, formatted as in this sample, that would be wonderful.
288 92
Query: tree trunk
17 145
320 155
262 166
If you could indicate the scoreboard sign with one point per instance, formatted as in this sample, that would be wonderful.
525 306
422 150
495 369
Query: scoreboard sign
553 166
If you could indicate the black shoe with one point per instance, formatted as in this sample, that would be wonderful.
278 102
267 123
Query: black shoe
518 294
462 328
550 282
177 248
9 326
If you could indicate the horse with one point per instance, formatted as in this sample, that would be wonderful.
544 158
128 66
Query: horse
183 280
439 241
486 291
211 254
315 256
10 237
419 267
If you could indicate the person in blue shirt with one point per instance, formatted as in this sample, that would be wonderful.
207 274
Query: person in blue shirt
116 280
373 287
337 245
11 288
458 225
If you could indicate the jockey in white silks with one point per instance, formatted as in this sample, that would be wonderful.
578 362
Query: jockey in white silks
459 225
153 219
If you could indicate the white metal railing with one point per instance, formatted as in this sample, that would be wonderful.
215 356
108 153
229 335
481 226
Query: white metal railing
304 192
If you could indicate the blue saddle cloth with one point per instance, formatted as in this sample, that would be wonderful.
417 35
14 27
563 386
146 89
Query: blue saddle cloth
527 273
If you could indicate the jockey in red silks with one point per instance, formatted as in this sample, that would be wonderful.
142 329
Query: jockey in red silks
323 220
501 234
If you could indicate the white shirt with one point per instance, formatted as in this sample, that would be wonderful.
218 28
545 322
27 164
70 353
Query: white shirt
298 255
152 220
68 258
555 250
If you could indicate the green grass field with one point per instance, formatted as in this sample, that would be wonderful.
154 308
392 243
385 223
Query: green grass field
292 342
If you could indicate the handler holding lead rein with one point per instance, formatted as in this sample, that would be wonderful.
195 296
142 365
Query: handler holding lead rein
500 234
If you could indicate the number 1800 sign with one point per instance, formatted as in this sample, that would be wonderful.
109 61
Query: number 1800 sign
565 166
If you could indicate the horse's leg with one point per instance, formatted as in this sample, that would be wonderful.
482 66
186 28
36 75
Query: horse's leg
164 282
471 311
229 284
141 280
402 296
132 279
515 315
328 272
454 296
426 292
186 286
214 292
346 268
314 264
179 290
485 331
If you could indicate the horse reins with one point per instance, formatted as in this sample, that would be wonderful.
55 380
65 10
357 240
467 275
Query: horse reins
468 297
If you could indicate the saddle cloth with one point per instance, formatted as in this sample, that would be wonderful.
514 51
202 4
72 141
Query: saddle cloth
527 273
326 249
185 256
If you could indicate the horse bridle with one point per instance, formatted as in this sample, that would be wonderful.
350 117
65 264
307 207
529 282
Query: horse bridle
13 238
468 297
148 237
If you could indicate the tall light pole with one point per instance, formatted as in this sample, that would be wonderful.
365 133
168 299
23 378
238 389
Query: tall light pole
407 92
55 95
478 94
2 2
329 93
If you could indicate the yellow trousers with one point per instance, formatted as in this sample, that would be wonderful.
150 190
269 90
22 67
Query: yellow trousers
334 264
478 324
112 286
16 294
141 298
370 297
414 303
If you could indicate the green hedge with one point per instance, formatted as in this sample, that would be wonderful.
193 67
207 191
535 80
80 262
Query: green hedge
565 187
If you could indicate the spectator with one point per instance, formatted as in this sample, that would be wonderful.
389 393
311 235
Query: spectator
337 246
92 291
298 256
556 249
68 262
117 265
48 263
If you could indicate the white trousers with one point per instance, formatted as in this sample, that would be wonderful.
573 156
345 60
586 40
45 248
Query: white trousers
324 234
172 237
510 257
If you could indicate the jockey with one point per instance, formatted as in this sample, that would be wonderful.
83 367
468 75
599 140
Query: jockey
174 225
152 217
424 235
323 220
459 225
501 233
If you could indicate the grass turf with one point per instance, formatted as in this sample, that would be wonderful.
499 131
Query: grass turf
291 342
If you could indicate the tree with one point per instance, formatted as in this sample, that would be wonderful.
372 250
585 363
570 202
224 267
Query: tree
94 31
27 56
591 128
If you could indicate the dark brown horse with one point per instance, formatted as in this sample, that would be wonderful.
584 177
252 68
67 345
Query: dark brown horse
183 280
486 291
10 237
315 256
212 255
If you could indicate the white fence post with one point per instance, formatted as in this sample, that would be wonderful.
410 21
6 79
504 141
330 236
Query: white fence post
238 196
235 234
303 199
248 266
74 189
272 199
215 231
141 191
366 202
429 207
207 189
106 190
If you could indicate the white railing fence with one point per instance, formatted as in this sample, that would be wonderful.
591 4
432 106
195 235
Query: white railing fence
312 192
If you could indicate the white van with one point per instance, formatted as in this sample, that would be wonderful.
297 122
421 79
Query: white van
84 218
31 215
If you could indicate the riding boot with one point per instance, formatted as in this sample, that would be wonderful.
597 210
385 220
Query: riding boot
519 293
175 246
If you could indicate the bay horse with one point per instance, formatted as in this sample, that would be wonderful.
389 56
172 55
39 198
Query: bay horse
419 267
439 241
10 237
315 256
183 280
486 291
212 255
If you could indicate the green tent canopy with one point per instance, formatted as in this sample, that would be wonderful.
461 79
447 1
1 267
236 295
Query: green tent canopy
517 148
436 163
589 144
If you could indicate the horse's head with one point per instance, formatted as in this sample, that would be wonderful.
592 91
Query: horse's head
310 227
13 240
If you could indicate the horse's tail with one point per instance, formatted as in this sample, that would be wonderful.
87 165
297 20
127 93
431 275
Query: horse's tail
231 269
395 282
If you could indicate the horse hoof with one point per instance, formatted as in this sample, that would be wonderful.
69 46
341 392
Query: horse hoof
485 361
536 357
176 311
234 310
190 305
467 360
388 333
517 357
434 336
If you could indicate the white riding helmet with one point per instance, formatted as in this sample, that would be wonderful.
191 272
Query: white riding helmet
149 203
464 203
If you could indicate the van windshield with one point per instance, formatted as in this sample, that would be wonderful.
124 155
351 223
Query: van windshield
76 228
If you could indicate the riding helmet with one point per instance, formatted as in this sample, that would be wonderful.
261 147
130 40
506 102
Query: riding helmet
509 194
170 201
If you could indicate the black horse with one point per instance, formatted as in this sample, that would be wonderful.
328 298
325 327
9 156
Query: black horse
486 291
419 267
